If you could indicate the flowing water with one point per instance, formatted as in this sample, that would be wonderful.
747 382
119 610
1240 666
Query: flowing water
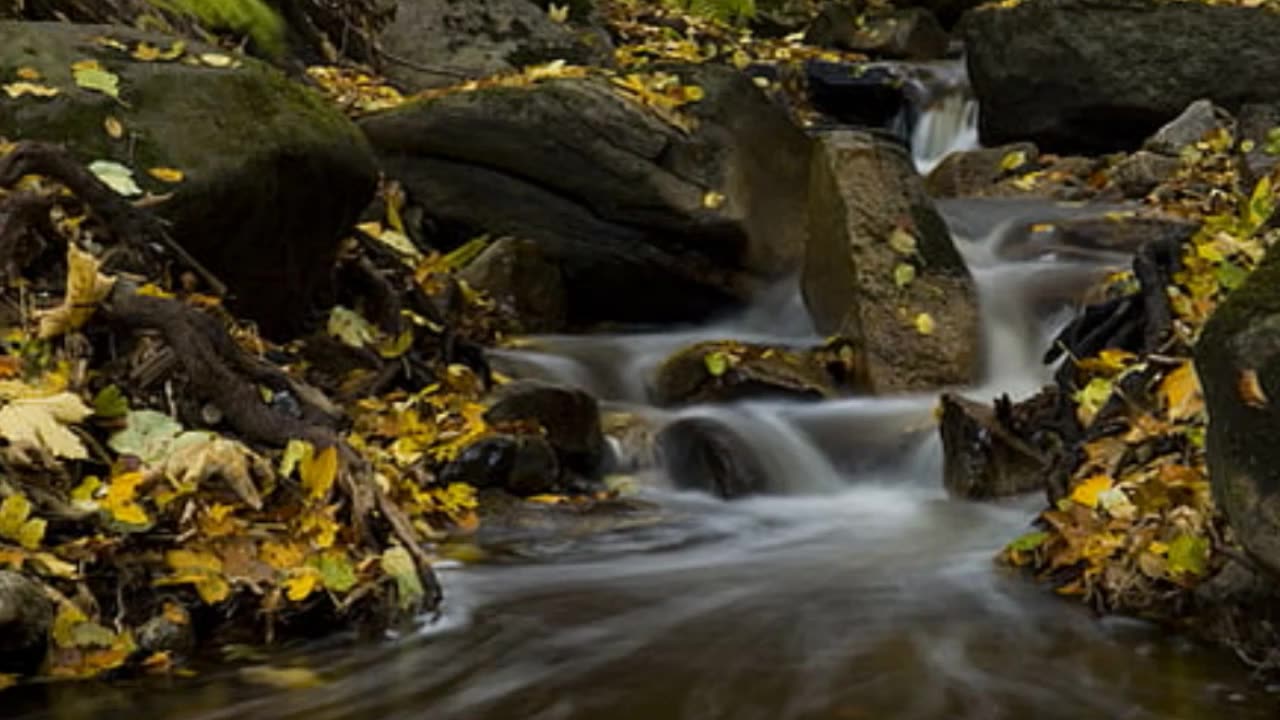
860 591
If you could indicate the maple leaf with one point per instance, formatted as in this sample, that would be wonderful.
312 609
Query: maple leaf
86 288
42 423
204 456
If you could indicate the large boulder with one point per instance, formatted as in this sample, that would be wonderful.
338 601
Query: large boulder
438 42
907 34
882 271
1092 76
26 617
647 220
1238 361
273 176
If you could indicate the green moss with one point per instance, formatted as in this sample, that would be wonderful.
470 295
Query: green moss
250 17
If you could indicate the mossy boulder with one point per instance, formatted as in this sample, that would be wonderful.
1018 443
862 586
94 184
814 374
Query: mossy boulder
1238 361
272 175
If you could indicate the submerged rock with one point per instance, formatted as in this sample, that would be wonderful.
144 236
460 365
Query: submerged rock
647 222
26 618
725 370
1087 76
982 457
273 176
706 455
1238 362
519 277
882 271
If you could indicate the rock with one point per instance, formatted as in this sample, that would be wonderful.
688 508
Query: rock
973 173
646 221
1141 172
432 43
518 276
778 18
26 617
632 440
704 454
1258 123
170 632
865 94
1088 76
724 371
570 419
519 464
1238 362
1198 120
510 526
273 175
982 457
1121 232
948 12
903 34
865 201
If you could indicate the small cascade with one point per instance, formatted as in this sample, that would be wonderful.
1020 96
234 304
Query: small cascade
945 113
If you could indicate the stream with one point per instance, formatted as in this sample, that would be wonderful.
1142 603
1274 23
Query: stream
859 591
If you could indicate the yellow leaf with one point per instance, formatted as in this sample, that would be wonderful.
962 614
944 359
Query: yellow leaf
29 73
301 583
558 13
902 241
86 287
7 681
924 324
1181 391
1091 398
282 555
217 60
281 678
18 89
1250 389
166 174
1090 489
41 423
1013 160
90 75
712 200
294 453
120 501
113 126
1107 362
198 568
903 274
318 473
65 622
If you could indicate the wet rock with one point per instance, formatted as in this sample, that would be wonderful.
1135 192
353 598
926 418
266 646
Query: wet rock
1258 123
570 419
853 94
511 526
274 175
632 441
1140 173
1198 120
1238 362
646 221
901 34
1084 76
982 457
948 12
519 464
869 216
704 454
170 631
973 173
776 18
26 617
519 277
433 43
1122 232
723 371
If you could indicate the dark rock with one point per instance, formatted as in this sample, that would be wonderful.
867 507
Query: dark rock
1089 76
1198 120
865 94
1141 172
646 221
744 371
903 34
26 617
519 464
518 276
864 198
1121 232
438 42
776 18
569 417
510 526
982 457
274 175
948 12
705 454
1238 362
974 173
171 632
1258 125
632 441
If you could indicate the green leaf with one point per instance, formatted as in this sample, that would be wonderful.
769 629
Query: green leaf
1029 542
336 570
1188 555
110 402
350 327
397 563
115 176
717 363
903 274
295 452
92 76
1230 275
1262 203
902 241
148 434
1013 160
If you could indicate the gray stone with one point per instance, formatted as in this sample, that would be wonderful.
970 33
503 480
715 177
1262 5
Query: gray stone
26 617
1141 172
1198 120
973 173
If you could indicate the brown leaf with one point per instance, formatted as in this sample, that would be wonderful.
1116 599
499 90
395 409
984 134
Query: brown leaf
1250 389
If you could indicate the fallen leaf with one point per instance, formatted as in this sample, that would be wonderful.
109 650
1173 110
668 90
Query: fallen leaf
206 456
336 571
318 473
42 423
90 75
110 402
1181 391
166 175
902 241
29 73
281 678
712 200
717 363
16 523
903 274
147 435
924 324
558 13
198 568
86 288
121 500
1188 555
1250 389
217 60
113 126
350 327
19 89
116 176
398 564
1088 490
1013 160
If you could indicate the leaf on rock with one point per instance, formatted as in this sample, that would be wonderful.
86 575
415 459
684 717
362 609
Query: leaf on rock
116 176
558 13
902 241
398 564
168 175
717 363
19 89
1249 388
90 75
113 126
713 200
86 288
42 423
924 324
1013 160
904 274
